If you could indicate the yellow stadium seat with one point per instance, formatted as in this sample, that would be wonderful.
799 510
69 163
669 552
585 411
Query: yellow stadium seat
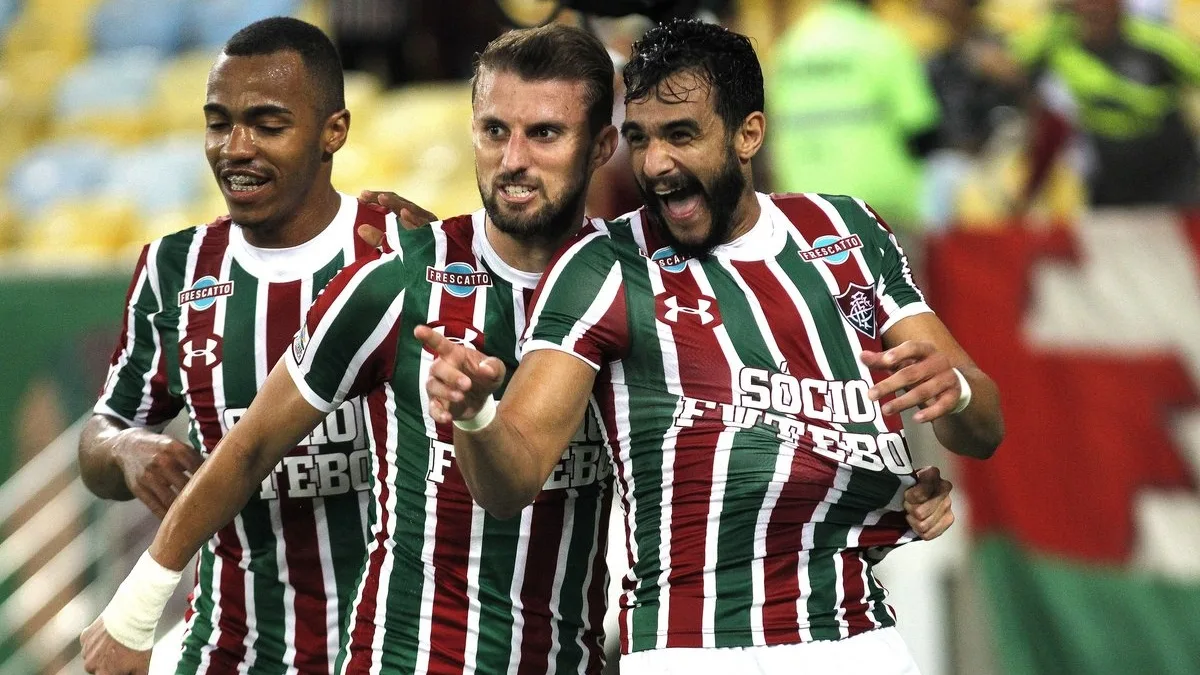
180 90
50 25
408 122
82 230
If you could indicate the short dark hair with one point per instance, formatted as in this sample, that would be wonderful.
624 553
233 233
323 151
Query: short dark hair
316 50
724 60
555 52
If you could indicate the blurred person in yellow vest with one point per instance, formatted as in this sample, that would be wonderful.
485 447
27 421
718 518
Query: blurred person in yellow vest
852 109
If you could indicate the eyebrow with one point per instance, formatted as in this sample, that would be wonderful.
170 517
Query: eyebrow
262 110
686 124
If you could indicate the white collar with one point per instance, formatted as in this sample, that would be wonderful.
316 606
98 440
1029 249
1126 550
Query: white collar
295 262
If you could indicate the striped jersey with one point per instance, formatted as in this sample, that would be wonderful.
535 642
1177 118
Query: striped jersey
448 588
207 317
759 483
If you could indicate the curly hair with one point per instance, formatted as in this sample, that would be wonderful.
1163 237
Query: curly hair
724 61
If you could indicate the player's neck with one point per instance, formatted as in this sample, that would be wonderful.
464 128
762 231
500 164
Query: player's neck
311 219
528 254
745 215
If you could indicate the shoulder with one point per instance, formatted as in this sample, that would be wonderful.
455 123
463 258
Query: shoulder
810 211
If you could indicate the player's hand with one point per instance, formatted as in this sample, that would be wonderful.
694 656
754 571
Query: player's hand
460 380
103 655
410 215
156 466
922 372
927 505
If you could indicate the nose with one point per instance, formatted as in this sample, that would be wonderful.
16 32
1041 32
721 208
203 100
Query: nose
516 154
239 144
658 160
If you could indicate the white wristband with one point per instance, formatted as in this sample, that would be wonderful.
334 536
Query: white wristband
964 396
481 419
132 614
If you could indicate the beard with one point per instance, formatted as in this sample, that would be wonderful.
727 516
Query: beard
547 223
721 198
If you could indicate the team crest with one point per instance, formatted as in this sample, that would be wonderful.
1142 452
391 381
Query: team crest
832 249
459 279
458 332
857 305
702 310
204 292
201 352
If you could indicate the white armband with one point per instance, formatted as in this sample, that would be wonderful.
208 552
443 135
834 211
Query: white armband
964 395
484 417
133 613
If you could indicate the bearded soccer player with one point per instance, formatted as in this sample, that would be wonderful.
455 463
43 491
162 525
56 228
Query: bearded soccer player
749 356
210 310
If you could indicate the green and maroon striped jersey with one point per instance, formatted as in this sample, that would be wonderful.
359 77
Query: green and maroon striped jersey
759 483
448 588
207 317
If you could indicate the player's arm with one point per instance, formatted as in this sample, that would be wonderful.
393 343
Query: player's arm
121 454
508 458
121 461
926 364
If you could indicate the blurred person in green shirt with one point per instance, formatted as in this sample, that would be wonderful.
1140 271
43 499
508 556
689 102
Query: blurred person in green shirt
851 108
1125 77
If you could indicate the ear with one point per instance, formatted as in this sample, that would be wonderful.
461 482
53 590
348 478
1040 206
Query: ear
748 139
603 147
333 134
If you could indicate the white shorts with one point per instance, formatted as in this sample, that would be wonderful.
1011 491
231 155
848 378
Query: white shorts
877 652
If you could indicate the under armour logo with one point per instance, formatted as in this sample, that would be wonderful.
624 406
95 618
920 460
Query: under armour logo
705 311
207 355
458 332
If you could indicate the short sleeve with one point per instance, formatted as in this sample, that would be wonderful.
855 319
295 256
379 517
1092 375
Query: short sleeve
896 292
137 389
347 345
579 306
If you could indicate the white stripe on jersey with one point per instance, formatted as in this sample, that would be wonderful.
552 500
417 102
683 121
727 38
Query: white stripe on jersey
890 304
560 570
385 568
518 583
475 554
720 474
666 340
147 277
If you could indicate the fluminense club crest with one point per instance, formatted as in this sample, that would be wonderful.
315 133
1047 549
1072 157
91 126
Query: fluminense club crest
857 304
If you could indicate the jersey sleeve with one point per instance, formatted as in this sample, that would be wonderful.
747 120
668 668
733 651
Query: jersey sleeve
347 345
137 389
579 306
896 292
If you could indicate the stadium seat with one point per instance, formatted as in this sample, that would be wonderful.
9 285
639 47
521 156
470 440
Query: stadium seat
164 175
179 92
55 172
212 22
50 25
109 95
83 230
122 24
8 12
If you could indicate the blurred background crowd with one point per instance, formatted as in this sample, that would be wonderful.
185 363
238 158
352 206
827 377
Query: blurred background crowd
1038 158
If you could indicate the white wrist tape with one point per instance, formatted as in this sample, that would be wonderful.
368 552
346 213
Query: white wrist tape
133 613
481 419
964 396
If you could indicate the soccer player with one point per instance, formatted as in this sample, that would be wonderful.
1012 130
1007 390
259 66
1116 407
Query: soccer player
210 310
747 355
446 588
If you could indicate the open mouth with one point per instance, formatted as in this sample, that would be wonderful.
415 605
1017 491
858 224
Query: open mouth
517 194
681 203
243 185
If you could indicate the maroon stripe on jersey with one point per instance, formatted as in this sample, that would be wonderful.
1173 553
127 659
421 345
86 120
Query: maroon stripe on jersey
597 594
890 529
296 516
362 635
541 563
606 399
854 594
232 621
452 540
376 217
335 287
138 271
807 484
704 374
